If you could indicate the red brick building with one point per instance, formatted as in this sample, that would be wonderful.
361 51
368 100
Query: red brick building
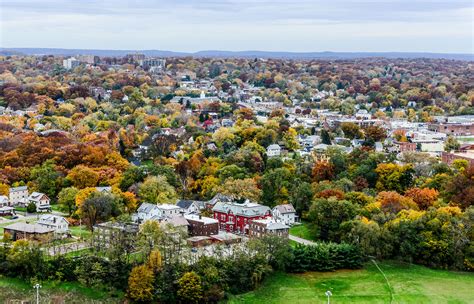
448 157
405 146
234 217
201 225
459 129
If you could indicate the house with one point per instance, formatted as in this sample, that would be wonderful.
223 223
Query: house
235 217
148 211
36 232
178 221
41 201
219 197
201 225
145 212
273 150
4 201
285 214
18 196
189 206
104 189
56 222
262 227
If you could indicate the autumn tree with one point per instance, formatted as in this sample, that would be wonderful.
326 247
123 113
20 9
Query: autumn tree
156 189
374 134
82 176
67 199
423 197
451 144
189 288
322 170
391 201
394 177
240 189
351 130
140 284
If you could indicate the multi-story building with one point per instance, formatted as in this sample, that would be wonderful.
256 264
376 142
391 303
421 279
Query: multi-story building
18 196
285 214
201 225
107 234
259 228
456 129
71 63
41 201
235 217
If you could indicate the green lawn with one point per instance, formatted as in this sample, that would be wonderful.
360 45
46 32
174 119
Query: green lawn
410 284
80 231
303 231
69 292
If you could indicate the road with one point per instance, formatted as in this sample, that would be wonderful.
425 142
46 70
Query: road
301 241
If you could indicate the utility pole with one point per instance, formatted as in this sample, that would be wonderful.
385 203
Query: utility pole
37 287
328 294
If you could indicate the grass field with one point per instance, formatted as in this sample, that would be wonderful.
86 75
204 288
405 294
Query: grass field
303 231
410 284
13 290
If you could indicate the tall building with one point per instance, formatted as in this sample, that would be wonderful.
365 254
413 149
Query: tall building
71 63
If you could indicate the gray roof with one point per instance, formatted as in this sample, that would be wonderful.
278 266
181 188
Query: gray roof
29 228
49 219
185 204
245 209
146 208
21 188
176 220
219 197
286 208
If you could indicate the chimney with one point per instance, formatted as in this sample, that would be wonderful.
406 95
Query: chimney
200 217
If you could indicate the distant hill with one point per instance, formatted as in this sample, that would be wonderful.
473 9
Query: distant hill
226 54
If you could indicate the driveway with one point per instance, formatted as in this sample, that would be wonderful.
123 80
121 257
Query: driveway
301 241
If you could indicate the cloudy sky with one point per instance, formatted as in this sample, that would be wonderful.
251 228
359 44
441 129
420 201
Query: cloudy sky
270 25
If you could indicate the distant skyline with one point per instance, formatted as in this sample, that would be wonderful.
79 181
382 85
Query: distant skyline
278 25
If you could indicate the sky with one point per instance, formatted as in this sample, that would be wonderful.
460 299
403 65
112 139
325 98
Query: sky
237 25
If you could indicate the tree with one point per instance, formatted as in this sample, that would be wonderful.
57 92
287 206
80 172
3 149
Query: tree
323 170
423 197
67 199
149 236
351 130
190 289
155 261
140 284
46 178
276 185
82 177
300 196
327 215
155 189
374 134
240 189
391 201
394 177
98 207
31 208
325 137
451 144
460 189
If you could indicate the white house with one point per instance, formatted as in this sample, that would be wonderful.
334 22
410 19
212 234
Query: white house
145 212
41 201
18 196
189 206
148 211
56 222
3 200
285 214
273 150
